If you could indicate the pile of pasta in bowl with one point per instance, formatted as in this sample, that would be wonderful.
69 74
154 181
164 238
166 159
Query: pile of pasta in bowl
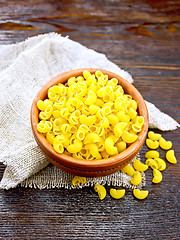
89 117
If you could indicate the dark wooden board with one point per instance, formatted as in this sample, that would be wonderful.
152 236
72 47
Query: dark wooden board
143 38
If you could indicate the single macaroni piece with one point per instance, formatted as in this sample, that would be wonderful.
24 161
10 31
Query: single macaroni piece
119 128
89 117
152 144
128 170
128 137
152 154
152 163
161 164
157 176
75 147
140 194
117 194
86 74
109 146
170 156
154 136
121 146
137 178
50 137
94 151
136 127
101 191
166 145
78 180
139 166
91 138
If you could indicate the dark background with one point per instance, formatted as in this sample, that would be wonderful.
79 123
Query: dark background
142 37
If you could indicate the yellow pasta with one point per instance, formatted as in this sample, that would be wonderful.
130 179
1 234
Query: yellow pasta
123 117
89 117
152 144
93 109
166 145
157 176
136 128
133 104
170 156
50 137
119 128
78 180
58 143
128 170
101 191
75 147
86 74
90 120
113 119
152 163
121 146
152 154
48 110
140 194
91 98
91 138
139 120
154 136
139 166
99 74
41 127
161 164
117 194
128 137
137 178
132 113
109 146
93 149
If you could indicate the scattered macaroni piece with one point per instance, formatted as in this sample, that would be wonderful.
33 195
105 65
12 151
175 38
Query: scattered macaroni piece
157 176
166 145
140 194
171 157
139 166
152 154
117 194
154 136
152 163
161 164
128 170
152 144
101 191
78 180
137 178
89 117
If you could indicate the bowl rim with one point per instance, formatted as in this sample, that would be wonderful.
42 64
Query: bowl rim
83 163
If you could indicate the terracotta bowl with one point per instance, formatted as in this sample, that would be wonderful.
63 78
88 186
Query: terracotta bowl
89 168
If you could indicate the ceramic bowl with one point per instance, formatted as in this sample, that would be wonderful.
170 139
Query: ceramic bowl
90 168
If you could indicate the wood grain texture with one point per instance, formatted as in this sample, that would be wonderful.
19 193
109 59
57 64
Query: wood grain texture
143 38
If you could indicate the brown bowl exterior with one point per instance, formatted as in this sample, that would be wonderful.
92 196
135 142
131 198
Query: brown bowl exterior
89 168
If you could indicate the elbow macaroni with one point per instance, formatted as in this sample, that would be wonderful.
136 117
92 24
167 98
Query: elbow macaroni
157 176
89 114
101 191
137 178
117 194
139 166
171 157
140 194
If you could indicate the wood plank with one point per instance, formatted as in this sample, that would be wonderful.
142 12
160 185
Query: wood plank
143 38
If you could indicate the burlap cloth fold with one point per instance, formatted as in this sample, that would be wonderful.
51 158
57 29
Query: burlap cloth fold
24 68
